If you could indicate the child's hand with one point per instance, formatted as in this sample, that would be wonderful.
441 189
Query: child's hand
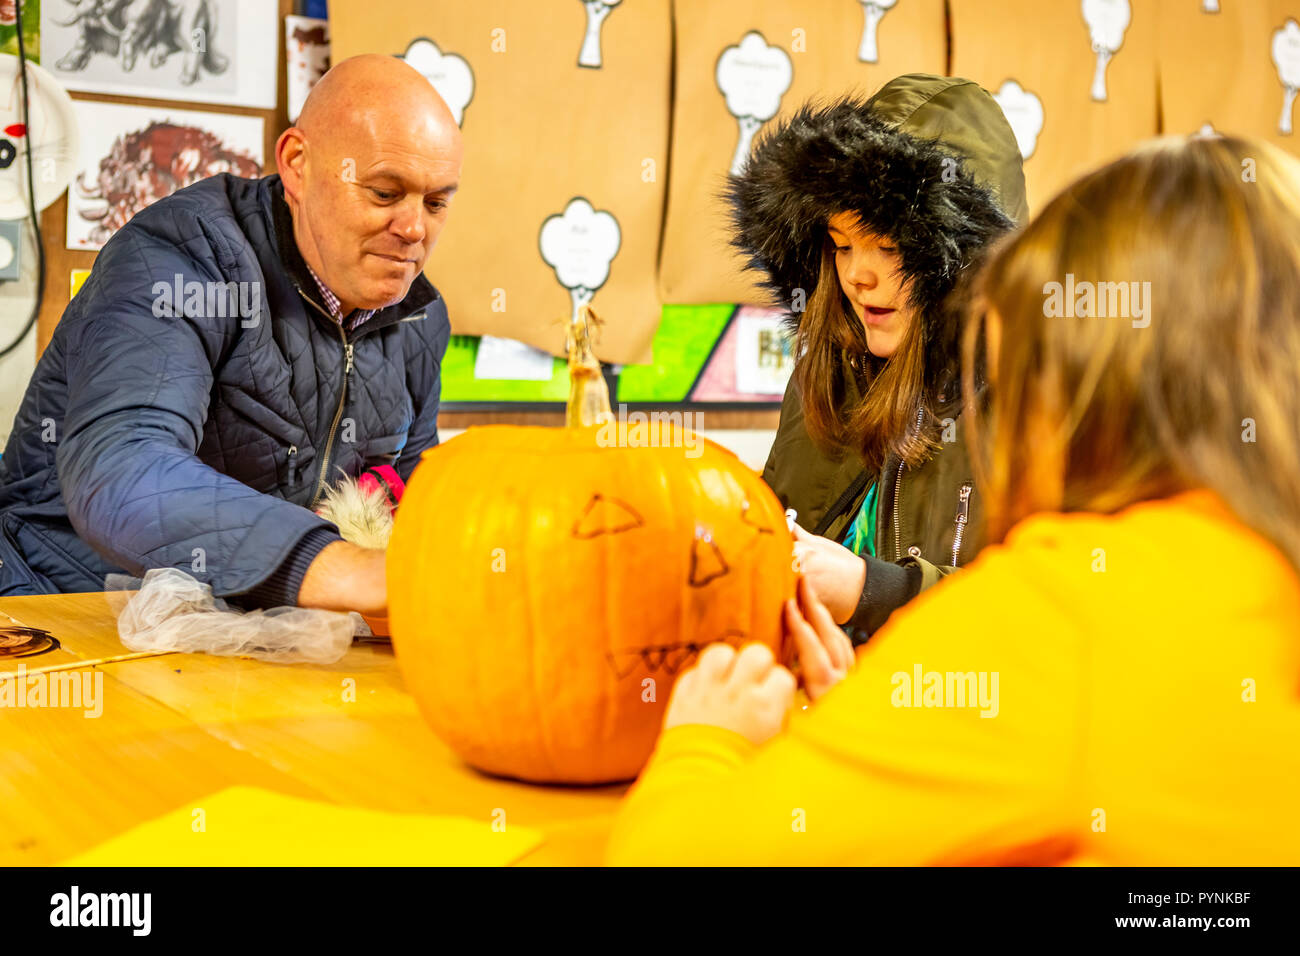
745 691
825 652
835 573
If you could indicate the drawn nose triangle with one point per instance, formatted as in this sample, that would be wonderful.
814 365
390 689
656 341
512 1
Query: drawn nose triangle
707 562
606 516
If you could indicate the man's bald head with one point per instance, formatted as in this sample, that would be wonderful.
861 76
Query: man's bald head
368 171
375 90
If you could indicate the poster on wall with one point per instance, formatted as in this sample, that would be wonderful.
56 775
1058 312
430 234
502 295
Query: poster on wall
131 156
752 360
210 51
741 65
307 46
31 24
564 109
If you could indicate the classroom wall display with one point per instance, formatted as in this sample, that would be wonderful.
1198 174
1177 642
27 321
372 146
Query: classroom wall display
1235 68
1024 111
1076 78
31 28
707 355
589 55
450 74
742 64
131 156
564 108
50 135
213 51
307 48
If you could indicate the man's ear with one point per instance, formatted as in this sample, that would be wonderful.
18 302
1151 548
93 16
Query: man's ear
290 160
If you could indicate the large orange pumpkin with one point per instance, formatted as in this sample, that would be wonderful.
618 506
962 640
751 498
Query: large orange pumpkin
547 585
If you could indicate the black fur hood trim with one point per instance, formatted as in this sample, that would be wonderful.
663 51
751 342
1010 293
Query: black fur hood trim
922 162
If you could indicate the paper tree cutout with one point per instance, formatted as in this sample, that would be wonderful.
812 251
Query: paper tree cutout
1286 58
449 73
597 10
753 77
579 244
1107 20
873 11
1024 111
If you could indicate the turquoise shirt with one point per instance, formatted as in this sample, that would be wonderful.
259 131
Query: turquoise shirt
862 532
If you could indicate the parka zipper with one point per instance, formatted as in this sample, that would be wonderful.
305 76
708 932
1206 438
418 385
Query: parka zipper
898 488
292 456
963 515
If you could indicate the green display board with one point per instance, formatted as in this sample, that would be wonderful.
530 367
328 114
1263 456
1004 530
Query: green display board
683 345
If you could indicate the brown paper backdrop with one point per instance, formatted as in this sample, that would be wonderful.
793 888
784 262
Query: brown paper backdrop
540 131
697 265
1046 47
1218 68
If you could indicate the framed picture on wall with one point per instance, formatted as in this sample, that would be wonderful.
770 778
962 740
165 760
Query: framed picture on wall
131 156
210 51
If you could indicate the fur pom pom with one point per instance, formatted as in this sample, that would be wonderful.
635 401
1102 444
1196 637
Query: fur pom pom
363 515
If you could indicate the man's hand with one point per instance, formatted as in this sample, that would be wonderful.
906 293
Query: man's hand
747 692
344 577
825 652
836 574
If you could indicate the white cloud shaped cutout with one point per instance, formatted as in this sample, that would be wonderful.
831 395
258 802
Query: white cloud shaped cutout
449 73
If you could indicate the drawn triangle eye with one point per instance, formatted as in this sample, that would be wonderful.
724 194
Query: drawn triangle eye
747 517
606 516
707 562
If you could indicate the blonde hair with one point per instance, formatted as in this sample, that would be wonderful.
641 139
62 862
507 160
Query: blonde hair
1097 413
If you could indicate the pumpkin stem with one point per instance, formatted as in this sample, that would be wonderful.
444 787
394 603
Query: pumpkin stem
588 393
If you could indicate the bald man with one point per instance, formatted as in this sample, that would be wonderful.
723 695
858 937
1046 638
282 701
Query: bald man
238 347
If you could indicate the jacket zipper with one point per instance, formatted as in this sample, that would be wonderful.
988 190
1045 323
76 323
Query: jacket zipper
343 394
334 425
898 487
898 494
963 515
293 463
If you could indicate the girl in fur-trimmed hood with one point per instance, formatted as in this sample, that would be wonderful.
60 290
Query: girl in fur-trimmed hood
862 216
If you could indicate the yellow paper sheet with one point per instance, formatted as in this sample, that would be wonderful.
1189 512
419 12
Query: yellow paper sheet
247 826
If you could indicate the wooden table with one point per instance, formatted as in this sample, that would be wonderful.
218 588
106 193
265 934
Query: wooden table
180 726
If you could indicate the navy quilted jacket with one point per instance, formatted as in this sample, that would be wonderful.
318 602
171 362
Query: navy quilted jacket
202 440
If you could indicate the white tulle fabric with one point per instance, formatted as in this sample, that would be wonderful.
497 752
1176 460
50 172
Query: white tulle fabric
172 611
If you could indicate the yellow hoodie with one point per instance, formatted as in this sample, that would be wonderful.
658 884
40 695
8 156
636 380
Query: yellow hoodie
1118 689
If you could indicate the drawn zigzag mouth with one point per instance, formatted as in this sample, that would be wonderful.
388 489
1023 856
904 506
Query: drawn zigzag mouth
668 658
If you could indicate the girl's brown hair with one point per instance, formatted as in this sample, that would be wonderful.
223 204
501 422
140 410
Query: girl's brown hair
1097 413
882 422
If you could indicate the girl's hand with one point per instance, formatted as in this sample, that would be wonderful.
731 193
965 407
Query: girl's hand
825 652
836 574
745 691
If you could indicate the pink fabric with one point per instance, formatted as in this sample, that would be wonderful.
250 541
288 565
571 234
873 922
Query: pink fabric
385 478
